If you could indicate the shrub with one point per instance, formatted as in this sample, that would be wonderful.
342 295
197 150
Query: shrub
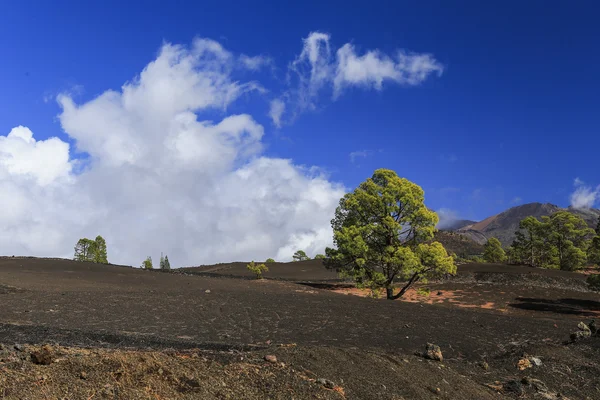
270 260
147 263
424 291
257 269
593 282
320 256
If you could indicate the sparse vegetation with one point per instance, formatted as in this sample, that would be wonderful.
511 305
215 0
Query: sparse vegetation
270 260
164 262
147 263
381 231
493 252
257 269
300 255
91 250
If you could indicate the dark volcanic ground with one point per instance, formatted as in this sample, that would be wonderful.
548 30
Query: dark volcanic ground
368 344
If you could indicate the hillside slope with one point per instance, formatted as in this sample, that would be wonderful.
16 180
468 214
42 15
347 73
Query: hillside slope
504 225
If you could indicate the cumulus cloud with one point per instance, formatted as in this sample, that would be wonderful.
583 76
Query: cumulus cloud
159 176
276 110
584 196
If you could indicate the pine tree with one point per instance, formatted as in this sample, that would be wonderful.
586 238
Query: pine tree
166 264
494 253
100 254
162 261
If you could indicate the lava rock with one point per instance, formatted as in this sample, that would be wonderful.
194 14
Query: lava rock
326 383
515 387
42 356
271 358
433 352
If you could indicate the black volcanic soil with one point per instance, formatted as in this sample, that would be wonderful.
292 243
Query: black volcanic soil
222 327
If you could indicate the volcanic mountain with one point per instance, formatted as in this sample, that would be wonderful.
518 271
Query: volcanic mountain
504 225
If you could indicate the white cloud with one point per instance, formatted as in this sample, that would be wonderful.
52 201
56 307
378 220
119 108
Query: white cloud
43 161
315 69
359 154
447 218
373 68
161 178
584 196
276 110
255 63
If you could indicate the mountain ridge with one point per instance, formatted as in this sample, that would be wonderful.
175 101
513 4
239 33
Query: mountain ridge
504 225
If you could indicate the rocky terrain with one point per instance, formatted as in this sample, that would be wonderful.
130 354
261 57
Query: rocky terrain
81 330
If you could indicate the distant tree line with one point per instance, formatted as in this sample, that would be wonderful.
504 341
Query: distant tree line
560 241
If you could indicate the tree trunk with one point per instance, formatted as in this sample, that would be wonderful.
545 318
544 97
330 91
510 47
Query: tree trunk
390 293
412 280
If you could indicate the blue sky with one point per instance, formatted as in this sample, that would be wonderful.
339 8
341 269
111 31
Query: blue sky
512 119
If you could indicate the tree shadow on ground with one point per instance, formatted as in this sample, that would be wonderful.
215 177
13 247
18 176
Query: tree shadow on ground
581 307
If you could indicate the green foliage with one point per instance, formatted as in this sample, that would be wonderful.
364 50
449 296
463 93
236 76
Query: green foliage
381 232
493 251
558 241
594 251
257 269
270 260
164 262
424 291
300 255
147 263
320 256
593 282
91 250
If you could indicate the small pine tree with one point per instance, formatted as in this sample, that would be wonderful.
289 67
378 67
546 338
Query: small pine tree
100 253
162 261
300 255
147 264
494 253
257 269
167 264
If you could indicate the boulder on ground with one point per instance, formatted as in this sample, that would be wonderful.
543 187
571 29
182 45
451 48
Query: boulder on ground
433 352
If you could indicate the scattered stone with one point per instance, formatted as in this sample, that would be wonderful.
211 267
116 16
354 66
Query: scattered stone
83 375
535 383
18 347
523 364
439 293
485 365
535 361
42 356
207 291
513 386
583 332
271 358
433 352
326 383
